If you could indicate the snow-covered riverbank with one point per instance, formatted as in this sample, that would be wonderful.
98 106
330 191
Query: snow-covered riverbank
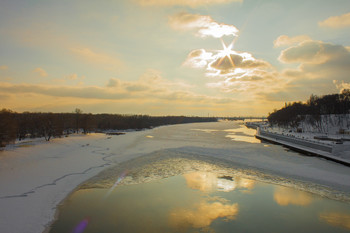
35 179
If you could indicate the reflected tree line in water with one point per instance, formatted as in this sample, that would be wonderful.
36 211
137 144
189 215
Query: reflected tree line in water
19 126
313 110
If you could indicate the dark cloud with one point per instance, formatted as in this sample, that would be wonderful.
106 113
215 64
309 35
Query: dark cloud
227 63
314 52
113 82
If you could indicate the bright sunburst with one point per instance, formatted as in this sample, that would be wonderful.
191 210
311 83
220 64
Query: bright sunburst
226 52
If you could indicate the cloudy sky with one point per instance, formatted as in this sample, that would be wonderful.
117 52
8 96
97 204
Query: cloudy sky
171 57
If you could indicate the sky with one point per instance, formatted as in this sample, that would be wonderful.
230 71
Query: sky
171 57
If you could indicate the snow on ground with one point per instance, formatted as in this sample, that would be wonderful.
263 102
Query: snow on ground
35 179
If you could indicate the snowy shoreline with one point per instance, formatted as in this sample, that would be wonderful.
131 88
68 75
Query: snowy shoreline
35 179
335 153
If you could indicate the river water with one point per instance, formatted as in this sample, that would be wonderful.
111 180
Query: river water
185 190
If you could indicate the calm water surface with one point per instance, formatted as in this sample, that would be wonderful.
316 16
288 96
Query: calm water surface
200 202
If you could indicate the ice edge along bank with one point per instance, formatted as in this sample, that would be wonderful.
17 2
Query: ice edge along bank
336 152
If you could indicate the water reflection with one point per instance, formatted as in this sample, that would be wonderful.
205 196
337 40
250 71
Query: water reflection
198 202
210 182
287 196
202 214
336 219
203 181
242 134
206 130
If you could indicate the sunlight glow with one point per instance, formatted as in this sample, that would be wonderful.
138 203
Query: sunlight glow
218 30
120 178
226 53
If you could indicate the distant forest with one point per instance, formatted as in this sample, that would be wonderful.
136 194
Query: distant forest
292 113
19 126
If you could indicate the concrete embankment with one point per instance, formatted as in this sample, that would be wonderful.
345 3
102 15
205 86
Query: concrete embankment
334 152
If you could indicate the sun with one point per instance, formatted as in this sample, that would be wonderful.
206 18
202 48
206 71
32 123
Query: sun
226 52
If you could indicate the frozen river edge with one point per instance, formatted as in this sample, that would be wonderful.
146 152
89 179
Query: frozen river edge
35 179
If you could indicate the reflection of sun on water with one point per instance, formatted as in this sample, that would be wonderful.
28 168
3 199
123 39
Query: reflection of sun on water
210 182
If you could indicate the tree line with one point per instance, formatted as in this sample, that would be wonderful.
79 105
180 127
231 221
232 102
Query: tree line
292 113
19 126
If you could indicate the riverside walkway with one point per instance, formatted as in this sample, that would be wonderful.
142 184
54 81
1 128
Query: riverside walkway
336 152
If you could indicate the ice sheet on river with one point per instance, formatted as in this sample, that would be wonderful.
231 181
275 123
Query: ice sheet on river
171 162
35 179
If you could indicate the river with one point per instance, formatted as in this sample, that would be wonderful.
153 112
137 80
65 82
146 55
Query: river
210 177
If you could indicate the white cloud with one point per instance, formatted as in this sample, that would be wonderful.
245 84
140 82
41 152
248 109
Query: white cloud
204 25
340 21
223 62
341 85
284 40
190 3
198 58
234 71
41 72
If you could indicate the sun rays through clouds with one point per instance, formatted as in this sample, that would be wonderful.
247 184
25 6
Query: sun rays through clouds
229 70
222 57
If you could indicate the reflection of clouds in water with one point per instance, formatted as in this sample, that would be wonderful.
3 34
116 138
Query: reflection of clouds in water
245 183
336 219
209 182
202 214
286 196
203 181
225 185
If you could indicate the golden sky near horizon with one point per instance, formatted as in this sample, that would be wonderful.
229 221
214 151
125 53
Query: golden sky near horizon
167 57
